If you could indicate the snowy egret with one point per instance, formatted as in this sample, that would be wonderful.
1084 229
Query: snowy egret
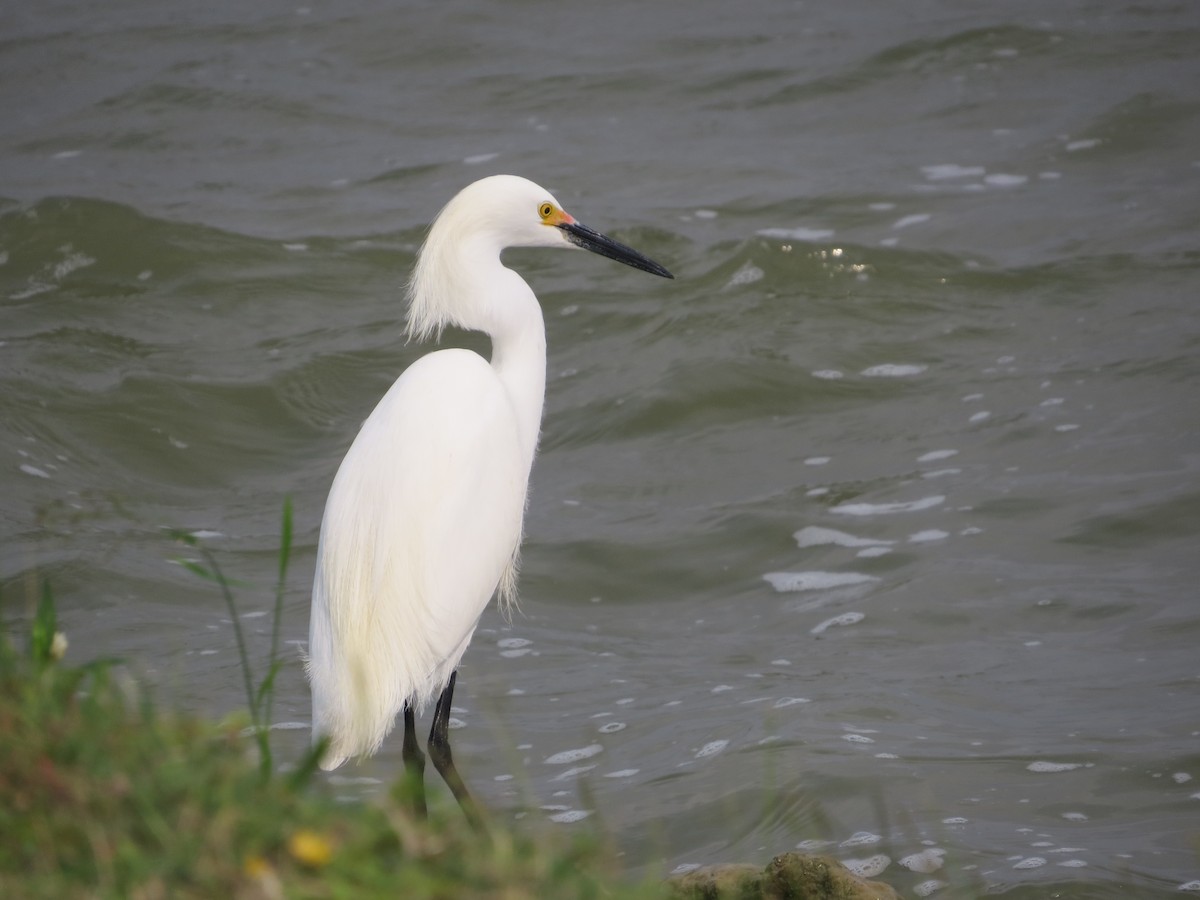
424 518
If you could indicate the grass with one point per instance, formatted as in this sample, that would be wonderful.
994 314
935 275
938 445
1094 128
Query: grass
105 795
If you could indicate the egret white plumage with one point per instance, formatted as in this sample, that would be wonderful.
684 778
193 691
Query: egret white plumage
424 519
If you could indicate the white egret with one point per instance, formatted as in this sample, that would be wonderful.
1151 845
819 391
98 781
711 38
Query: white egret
423 522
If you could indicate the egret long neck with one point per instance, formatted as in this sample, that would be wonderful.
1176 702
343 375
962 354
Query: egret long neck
518 335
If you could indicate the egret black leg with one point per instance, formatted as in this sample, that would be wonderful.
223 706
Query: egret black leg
414 762
439 752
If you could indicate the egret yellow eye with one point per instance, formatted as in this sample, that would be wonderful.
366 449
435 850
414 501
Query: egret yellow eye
546 210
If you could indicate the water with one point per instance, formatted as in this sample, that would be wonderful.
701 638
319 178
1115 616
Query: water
874 532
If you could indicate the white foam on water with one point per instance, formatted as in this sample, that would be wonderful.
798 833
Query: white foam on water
1049 176
787 582
817 460
1030 862
828 374
814 536
871 552
1000 180
1066 428
797 234
684 868
940 473
479 159
945 171
981 416
513 654
1044 766
1053 401
570 756
512 643
747 274
816 492
611 727
857 738
894 370
842 621
877 509
502 778
1086 144
33 470
956 820
622 773
1075 816
570 815
1190 886
789 701
914 219
889 242
934 455
925 888
705 214
927 536
1073 863
722 688
881 207
972 398
869 867
925 862
712 748
1181 777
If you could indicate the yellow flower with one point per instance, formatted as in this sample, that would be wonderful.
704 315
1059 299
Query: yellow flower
256 866
310 849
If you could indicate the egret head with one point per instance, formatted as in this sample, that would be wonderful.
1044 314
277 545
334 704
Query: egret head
480 221
518 213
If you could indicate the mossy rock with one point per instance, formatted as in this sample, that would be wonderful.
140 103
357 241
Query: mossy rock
789 876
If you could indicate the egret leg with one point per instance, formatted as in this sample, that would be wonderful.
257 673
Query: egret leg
439 752
414 763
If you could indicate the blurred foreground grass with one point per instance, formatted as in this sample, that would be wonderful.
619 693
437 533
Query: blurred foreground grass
106 795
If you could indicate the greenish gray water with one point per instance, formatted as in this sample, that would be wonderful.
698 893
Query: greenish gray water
877 527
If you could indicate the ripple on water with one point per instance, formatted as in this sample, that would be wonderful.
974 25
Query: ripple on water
840 621
813 536
568 816
925 862
569 756
876 509
787 582
1044 766
712 748
870 867
894 370
861 839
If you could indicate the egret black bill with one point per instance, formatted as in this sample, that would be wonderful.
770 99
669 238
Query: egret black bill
582 236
